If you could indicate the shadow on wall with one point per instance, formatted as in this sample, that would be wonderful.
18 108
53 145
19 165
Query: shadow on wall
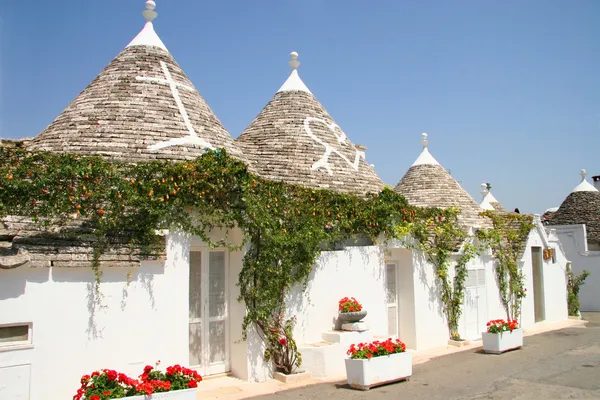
95 301
14 281
432 288
256 351
299 300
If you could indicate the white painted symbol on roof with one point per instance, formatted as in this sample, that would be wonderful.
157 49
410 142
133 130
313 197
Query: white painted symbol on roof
192 138
323 162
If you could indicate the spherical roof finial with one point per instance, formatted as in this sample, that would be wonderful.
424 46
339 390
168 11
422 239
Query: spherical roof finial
583 173
294 63
149 12
424 142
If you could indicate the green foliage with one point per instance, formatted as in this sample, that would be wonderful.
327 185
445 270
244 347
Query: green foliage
438 234
573 285
285 226
507 239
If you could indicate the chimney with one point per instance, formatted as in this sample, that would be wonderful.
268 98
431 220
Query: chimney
596 180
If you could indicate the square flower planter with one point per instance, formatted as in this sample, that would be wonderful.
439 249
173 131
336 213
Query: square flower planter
186 394
364 374
497 343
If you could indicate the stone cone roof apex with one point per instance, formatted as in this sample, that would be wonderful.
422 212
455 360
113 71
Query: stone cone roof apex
147 36
425 158
584 186
294 82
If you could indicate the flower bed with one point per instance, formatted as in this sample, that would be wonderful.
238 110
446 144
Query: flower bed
377 363
109 384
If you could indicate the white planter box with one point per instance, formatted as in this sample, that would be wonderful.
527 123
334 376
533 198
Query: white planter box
186 394
497 343
366 373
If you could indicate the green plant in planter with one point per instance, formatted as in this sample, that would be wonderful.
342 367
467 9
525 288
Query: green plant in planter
573 285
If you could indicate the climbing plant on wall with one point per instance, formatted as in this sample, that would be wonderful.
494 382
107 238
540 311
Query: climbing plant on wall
286 227
440 236
507 239
574 283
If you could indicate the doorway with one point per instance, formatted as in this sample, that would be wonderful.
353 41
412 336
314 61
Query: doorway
475 307
538 283
208 322
391 275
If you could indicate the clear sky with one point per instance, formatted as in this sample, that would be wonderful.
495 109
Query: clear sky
508 91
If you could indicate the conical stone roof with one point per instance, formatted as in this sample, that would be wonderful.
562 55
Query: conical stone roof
489 202
582 206
428 184
141 107
295 140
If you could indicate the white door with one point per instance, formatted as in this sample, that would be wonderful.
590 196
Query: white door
391 275
475 305
209 344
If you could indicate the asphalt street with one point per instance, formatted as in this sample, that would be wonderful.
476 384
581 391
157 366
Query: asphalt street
562 364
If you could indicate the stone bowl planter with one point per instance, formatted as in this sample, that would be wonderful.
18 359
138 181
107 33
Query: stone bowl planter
353 316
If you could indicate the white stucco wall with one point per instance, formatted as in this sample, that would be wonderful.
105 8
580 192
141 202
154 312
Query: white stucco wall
139 323
573 241
554 282
356 271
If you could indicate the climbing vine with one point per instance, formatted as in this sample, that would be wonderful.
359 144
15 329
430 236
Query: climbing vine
574 283
439 235
113 205
507 239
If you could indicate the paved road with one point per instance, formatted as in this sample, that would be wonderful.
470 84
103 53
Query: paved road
562 364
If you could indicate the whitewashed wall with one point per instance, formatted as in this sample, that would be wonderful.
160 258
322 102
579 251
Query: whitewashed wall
356 271
554 282
573 240
139 323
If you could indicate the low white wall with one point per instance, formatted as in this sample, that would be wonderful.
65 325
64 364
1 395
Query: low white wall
356 271
140 322
573 240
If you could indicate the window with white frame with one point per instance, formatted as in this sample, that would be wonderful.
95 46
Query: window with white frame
15 335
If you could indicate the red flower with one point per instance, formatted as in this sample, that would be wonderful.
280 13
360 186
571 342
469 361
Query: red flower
369 355
283 341
111 375
148 368
95 397
85 379
95 373
192 384
106 392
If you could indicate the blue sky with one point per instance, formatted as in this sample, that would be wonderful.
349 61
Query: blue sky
509 92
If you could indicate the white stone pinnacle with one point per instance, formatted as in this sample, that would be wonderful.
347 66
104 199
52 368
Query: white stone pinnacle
425 158
294 63
484 189
584 185
147 36
293 82
149 12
